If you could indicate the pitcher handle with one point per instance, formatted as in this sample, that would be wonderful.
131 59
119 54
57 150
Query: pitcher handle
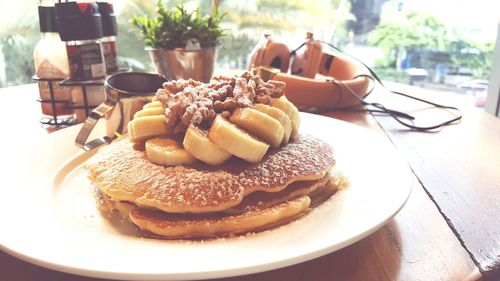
88 126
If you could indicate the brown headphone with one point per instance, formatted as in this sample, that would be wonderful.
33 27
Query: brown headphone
342 77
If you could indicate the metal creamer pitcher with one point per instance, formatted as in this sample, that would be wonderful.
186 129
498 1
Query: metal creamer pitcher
126 93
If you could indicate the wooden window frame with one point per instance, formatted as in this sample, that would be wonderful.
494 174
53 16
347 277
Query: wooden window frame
493 100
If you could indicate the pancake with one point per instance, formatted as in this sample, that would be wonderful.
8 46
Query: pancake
219 225
262 200
125 174
257 212
177 173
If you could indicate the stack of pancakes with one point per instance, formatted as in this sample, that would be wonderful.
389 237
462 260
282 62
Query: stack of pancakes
202 201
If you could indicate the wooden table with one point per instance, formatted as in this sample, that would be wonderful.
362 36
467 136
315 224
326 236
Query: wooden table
448 230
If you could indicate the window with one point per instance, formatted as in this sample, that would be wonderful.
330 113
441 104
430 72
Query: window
426 43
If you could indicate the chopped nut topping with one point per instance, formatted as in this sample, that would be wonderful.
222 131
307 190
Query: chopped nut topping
192 102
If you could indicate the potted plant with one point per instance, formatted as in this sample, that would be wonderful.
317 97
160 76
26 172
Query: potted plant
181 44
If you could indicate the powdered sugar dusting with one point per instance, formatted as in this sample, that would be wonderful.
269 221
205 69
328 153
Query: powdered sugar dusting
126 174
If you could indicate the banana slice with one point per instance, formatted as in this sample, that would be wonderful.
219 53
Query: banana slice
149 111
279 115
259 124
295 121
153 104
197 143
167 152
147 127
293 113
236 141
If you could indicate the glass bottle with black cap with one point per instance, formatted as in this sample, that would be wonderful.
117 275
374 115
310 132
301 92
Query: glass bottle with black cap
80 26
109 32
51 67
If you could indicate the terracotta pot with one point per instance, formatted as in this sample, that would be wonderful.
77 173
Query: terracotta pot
184 64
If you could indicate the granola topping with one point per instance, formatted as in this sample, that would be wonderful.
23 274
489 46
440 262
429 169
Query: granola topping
190 101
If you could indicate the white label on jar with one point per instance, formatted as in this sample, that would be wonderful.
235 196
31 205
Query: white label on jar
86 61
98 70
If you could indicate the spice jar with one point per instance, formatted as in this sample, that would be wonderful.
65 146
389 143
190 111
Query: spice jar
109 32
80 27
51 67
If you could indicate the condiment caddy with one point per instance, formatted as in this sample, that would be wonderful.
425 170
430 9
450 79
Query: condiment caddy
78 29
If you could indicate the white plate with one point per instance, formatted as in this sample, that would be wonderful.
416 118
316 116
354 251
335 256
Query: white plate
49 218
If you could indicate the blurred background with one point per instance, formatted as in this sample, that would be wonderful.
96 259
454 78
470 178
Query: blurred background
445 45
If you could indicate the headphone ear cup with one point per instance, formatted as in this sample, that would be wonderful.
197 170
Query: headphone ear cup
276 55
326 63
312 56
306 63
298 62
256 57
339 66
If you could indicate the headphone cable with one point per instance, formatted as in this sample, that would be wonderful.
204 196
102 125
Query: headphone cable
396 115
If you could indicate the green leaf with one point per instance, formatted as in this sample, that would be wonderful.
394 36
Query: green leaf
172 28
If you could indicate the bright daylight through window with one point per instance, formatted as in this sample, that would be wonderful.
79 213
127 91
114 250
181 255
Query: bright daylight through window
426 43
